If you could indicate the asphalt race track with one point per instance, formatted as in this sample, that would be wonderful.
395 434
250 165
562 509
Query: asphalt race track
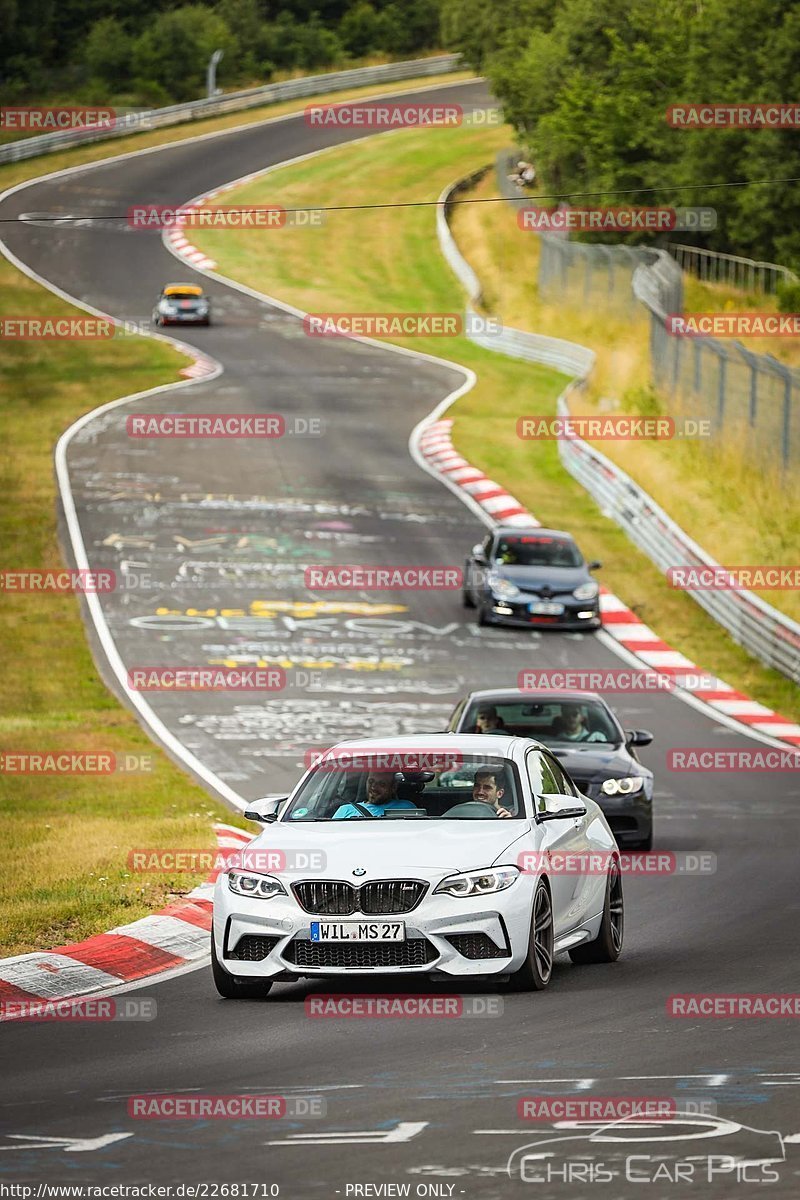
223 530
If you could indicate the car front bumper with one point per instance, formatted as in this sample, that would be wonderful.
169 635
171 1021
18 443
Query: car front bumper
630 817
576 614
498 926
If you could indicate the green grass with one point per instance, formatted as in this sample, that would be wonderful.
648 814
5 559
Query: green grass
63 873
388 260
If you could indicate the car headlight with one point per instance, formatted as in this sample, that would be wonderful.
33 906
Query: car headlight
504 589
478 883
169 309
262 887
587 591
622 787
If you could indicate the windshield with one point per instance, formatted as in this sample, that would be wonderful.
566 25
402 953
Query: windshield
531 550
554 722
461 787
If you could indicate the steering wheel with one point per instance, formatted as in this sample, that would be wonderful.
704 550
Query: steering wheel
472 810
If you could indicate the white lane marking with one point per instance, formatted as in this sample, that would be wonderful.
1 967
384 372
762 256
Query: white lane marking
68 1145
404 1131
716 1080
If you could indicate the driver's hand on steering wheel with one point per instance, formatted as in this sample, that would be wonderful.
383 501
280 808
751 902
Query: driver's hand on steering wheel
502 812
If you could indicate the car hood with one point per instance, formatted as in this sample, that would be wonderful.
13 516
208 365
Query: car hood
387 848
589 762
560 579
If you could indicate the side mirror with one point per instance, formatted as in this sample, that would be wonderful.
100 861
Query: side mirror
265 810
478 554
638 737
562 808
595 564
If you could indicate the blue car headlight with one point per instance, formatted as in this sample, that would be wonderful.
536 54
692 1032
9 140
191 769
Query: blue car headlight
587 591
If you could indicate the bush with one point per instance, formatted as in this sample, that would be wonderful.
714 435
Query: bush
175 48
788 293
108 51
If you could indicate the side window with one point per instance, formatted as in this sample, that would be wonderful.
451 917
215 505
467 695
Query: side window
563 785
541 778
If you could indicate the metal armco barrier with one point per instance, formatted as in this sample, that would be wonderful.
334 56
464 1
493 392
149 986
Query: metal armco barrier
712 266
175 114
770 636
564 356
767 634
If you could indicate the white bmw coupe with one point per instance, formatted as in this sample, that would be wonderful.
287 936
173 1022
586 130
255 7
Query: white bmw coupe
446 855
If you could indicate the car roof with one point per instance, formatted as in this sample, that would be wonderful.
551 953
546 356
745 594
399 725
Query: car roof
501 745
537 694
191 288
532 531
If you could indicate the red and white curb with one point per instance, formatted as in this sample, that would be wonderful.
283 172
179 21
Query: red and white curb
178 242
176 239
201 368
436 448
173 937
619 621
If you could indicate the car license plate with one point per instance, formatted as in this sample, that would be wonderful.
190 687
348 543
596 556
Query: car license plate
546 608
358 931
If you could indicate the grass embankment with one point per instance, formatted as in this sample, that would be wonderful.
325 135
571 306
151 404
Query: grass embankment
63 854
388 260
737 510
63 873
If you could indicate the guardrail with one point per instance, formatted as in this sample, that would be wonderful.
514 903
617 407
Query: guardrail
557 353
175 114
712 266
769 635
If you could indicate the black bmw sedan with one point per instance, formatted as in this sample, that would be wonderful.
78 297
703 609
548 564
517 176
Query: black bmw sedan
531 577
586 738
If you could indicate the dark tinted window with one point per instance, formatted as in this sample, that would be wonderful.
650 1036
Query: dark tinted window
530 550
554 722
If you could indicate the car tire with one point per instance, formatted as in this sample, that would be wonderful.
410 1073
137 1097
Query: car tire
645 844
535 973
230 987
607 946
467 599
483 620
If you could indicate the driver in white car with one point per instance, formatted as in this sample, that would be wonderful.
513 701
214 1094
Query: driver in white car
381 794
487 788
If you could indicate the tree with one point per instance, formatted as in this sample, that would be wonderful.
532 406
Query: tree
175 48
109 51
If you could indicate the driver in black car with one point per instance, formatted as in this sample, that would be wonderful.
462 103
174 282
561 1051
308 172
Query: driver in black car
488 788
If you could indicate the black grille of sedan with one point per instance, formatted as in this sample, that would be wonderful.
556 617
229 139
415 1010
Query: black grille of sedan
416 952
254 947
476 945
337 898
